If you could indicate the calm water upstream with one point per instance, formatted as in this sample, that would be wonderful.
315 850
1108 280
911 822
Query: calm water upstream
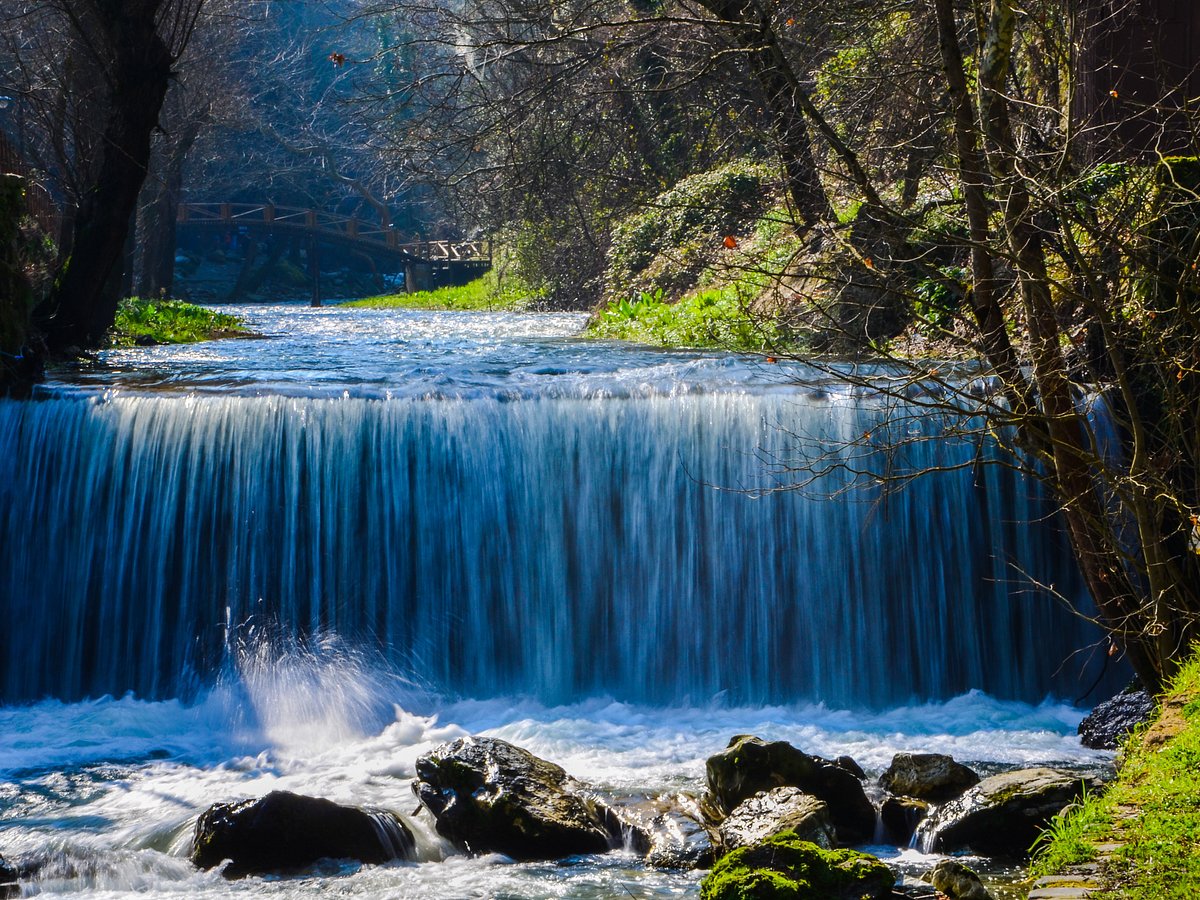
300 562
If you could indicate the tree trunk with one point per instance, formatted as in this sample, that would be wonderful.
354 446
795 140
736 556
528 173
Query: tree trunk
1073 462
79 311
784 97
160 216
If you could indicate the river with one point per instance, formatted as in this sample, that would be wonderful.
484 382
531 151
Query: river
302 561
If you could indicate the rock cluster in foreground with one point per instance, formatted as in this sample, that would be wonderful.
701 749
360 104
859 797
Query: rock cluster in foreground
775 820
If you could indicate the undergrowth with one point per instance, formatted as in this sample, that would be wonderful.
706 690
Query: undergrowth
147 322
1152 811
493 291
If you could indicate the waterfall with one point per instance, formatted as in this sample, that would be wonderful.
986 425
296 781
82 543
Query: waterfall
562 548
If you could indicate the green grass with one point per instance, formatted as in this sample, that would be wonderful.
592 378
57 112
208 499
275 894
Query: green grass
491 292
716 318
145 322
1153 810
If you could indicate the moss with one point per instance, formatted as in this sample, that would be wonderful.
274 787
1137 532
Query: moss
783 866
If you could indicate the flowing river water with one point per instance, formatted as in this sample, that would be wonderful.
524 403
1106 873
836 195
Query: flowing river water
300 562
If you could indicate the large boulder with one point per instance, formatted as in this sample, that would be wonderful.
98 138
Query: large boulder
783 866
489 796
285 832
775 811
750 765
927 776
1106 725
1003 815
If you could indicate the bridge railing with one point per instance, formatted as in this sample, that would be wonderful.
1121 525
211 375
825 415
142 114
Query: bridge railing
320 223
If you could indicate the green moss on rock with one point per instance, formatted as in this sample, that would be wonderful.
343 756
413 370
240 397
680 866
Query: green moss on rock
783 866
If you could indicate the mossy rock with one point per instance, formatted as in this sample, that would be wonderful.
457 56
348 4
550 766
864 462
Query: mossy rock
784 867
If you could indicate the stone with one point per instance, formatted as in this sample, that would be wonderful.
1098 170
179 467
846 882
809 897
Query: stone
285 832
848 763
1106 725
676 834
750 765
489 796
775 811
927 776
1003 814
901 816
783 866
958 882
8 880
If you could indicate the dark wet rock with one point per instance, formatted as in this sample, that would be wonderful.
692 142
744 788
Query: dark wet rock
901 816
285 832
776 811
675 832
1106 725
1003 814
784 866
848 763
489 796
8 880
750 765
927 776
957 882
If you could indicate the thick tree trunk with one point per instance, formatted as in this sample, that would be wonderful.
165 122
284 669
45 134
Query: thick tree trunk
79 311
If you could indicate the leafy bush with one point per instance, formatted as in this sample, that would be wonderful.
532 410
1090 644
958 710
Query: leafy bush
669 243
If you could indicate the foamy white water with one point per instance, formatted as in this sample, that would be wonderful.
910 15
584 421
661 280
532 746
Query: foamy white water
103 795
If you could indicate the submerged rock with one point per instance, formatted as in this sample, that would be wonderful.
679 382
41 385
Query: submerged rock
1003 815
284 832
901 816
776 811
783 866
750 765
1106 725
927 776
489 796
958 882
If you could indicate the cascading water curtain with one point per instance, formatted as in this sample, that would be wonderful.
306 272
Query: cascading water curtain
558 548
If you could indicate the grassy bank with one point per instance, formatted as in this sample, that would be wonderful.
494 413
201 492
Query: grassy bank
714 318
491 292
1145 829
148 322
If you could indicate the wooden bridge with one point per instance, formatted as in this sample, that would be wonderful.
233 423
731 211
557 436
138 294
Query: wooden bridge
425 263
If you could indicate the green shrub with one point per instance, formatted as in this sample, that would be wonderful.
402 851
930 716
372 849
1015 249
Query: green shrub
664 245
170 322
